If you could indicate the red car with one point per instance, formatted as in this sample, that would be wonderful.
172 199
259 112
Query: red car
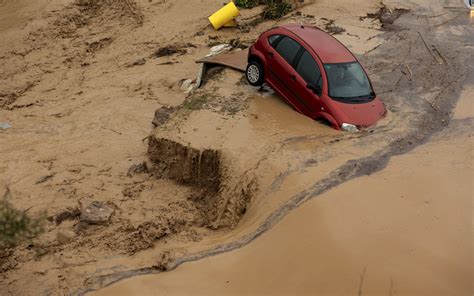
316 74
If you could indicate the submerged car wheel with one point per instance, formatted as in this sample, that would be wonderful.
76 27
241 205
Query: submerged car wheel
254 73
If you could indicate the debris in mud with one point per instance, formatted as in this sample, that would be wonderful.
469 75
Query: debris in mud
145 235
164 261
162 114
332 28
68 214
139 62
386 16
97 45
97 213
233 42
44 178
9 97
186 85
5 125
168 50
133 191
137 169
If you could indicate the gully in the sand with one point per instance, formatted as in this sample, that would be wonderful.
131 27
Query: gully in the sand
316 74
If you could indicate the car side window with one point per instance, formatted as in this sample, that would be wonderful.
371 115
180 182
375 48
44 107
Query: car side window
288 48
309 70
273 39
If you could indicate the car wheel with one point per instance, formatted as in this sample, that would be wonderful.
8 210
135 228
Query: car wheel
254 73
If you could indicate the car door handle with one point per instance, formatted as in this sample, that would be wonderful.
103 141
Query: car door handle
293 77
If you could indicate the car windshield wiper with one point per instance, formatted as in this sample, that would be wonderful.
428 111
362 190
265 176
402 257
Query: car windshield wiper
369 96
358 99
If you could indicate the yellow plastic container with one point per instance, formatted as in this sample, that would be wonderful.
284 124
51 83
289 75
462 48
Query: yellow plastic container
224 15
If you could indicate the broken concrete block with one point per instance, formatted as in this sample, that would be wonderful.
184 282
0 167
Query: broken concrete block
185 84
97 213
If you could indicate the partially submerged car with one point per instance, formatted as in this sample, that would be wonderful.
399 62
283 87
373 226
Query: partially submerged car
316 74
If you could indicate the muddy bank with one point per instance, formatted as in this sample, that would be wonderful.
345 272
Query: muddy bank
185 164
221 202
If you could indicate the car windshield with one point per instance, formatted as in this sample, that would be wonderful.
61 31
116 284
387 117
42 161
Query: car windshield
348 83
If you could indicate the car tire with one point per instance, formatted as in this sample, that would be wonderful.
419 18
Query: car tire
254 73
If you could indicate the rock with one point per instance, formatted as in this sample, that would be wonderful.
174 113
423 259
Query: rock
162 114
44 179
65 236
139 62
97 213
69 214
148 166
137 169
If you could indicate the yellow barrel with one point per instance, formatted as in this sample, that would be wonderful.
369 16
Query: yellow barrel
224 15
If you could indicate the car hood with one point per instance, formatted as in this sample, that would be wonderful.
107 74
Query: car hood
361 115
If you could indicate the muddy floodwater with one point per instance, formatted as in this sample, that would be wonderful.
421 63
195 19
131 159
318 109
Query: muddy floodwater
403 231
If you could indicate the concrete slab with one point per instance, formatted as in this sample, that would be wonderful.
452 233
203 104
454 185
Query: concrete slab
236 60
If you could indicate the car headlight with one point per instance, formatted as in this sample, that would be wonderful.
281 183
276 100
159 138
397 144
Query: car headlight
349 127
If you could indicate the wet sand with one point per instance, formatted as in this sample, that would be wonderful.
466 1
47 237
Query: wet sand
406 230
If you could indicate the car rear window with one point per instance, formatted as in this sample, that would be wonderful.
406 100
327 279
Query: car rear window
288 48
309 69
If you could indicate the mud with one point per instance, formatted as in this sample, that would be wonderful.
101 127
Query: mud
87 113
389 253
386 16
185 164
178 49
331 28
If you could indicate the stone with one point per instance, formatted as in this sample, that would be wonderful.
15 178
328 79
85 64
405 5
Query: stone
162 114
65 236
97 213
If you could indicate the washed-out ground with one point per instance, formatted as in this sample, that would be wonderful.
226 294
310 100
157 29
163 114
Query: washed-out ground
81 83
405 230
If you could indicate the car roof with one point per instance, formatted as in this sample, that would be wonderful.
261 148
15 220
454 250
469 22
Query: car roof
328 48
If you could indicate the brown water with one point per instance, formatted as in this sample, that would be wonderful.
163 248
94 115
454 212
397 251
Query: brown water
404 231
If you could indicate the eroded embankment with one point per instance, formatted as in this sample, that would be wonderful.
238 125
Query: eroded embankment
222 203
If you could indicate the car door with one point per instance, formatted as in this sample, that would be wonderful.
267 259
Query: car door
308 84
281 55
